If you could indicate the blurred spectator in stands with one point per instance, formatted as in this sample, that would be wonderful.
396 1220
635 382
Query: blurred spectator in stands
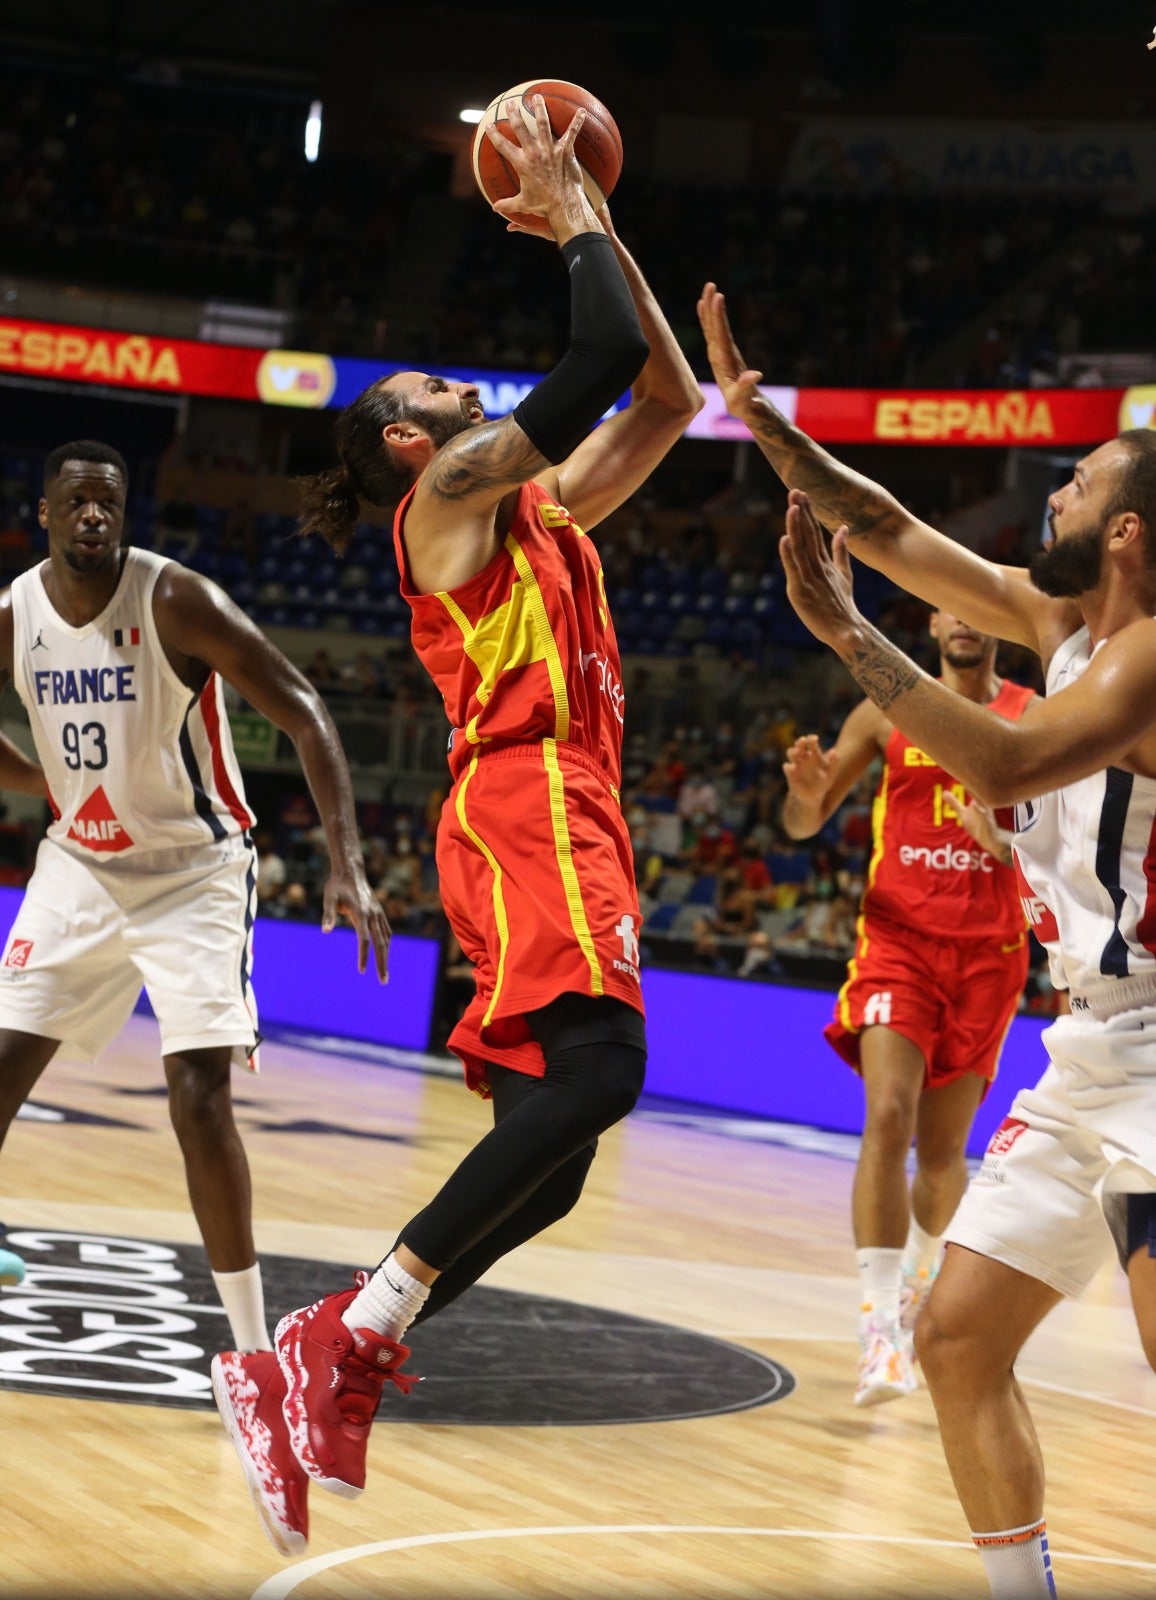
724 753
271 870
823 880
711 848
760 820
295 817
363 676
294 901
697 797
759 957
735 913
781 730
322 671
705 954
756 875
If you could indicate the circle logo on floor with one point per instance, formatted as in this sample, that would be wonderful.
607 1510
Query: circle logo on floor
102 1317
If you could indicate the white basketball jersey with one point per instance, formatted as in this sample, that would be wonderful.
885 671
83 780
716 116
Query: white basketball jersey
135 759
1088 852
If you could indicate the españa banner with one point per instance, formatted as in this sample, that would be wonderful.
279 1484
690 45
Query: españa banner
959 416
303 378
128 360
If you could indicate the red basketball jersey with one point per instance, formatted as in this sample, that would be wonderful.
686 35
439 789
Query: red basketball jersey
926 872
525 650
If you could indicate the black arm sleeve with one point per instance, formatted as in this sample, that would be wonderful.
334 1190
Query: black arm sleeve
606 353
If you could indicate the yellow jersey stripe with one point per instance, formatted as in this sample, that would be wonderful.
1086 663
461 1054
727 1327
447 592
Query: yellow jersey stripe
565 855
546 635
878 819
501 921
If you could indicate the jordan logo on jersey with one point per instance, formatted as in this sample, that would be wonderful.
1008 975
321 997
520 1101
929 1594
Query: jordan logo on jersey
95 825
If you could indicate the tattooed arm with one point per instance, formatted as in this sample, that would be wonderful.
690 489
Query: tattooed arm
1107 717
464 496
994 599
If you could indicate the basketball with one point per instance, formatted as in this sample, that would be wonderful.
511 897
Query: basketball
598 147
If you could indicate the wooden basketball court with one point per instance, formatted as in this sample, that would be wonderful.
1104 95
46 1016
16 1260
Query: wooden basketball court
701 1227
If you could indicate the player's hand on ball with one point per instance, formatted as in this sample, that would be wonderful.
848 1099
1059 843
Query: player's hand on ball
547 168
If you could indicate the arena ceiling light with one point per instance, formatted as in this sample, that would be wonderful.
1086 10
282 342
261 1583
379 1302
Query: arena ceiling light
313 131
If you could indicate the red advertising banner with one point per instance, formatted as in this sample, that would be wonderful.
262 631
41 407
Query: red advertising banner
999 417
128 360
960 416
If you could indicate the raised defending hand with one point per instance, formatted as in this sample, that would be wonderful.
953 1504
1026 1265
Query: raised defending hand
549 177
737 382
808 769
347 894
818 579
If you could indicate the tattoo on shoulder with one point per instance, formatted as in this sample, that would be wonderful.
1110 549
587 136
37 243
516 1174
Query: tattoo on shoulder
494 457
882 671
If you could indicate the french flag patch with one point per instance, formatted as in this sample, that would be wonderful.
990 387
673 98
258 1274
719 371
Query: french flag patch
126 636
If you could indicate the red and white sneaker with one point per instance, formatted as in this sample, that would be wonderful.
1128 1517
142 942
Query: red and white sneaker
249 1391
334 1376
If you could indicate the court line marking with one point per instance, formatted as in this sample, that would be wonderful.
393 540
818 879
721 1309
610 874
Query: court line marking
283 1583
1083 1394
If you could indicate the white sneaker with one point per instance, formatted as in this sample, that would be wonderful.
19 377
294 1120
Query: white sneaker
885 1368
912 1298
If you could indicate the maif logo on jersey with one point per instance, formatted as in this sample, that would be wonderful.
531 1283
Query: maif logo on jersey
18 953
95 825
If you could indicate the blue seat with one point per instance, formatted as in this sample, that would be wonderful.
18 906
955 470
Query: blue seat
661 918
702 890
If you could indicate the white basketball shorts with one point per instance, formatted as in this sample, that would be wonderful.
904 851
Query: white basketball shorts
1087 1130
88 936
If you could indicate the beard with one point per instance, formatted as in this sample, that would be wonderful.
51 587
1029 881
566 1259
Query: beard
961 655
442 425
1071 568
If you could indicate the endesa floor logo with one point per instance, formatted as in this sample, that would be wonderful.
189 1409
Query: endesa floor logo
100 1317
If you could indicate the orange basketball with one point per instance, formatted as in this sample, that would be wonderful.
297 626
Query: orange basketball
598 147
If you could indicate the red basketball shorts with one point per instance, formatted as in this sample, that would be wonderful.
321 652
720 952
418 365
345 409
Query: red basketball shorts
953 998
536 872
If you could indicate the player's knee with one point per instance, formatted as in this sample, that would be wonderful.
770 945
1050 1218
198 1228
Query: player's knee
199 1089
935 1347
559 1194
617 1072
940 1161
890 1124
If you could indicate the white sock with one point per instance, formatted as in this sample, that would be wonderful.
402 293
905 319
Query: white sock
921 1251
389 1302
243 1297
879 1277
1017 1562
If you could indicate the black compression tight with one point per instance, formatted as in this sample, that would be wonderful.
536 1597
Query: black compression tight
529 1169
